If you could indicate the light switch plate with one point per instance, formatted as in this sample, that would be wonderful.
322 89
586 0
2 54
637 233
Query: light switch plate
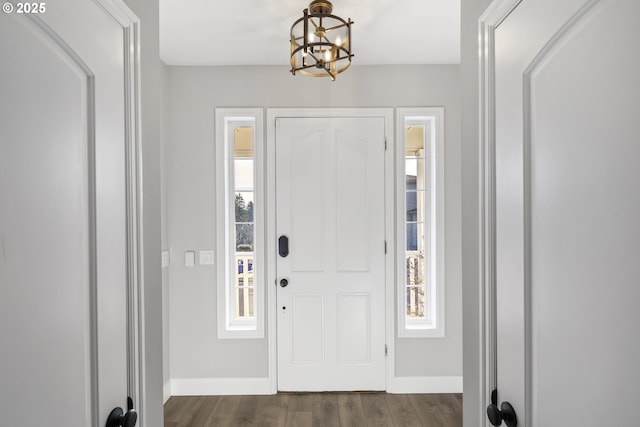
166 260
206 258
190 258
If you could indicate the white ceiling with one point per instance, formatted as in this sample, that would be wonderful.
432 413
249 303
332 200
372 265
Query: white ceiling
256 32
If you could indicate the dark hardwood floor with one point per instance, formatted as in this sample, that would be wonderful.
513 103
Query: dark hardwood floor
316 409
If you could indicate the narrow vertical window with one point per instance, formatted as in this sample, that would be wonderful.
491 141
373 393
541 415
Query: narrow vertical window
417 235
244 226
239 223
421 222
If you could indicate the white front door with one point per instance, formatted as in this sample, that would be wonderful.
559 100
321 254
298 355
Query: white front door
567 102
63 213
331 283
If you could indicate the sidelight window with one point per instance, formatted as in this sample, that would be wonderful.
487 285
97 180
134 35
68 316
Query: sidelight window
240 219
421 222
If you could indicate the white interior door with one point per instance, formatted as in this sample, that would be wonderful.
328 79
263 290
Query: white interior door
567 102
330 207
63 215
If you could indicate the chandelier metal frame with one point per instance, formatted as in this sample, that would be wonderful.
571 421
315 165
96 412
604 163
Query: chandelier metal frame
320 54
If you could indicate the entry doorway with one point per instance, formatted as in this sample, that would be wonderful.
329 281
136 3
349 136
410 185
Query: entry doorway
330 265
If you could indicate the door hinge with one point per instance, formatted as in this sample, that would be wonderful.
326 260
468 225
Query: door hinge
386 352
385 247
385 143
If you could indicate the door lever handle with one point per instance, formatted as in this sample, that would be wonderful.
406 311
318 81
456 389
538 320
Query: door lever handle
506 413
119 418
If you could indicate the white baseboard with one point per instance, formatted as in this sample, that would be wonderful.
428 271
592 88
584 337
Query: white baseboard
220 386
255 386
166 392
425 385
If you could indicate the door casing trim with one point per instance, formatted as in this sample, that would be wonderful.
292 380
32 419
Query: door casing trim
495 14
136 324
269 167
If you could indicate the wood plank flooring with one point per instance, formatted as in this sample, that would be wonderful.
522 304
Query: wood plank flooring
316 409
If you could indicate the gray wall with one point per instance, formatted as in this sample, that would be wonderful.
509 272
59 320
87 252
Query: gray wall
473 403
194 93
153 84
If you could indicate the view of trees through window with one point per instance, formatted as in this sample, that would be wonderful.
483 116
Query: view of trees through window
244 222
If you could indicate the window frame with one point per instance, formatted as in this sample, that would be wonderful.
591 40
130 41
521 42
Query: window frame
228 326
434 223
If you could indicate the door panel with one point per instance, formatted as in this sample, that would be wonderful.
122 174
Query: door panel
307 243
330 203
352 190
48 282
567 236
63 217
585 235
308 328
353 314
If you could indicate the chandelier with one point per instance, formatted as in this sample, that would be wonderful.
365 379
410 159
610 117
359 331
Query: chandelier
320 42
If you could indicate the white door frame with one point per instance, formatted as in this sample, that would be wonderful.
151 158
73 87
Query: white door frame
497 12
272 114
130 24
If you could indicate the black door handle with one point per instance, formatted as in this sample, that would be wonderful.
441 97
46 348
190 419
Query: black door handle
118 418
283 246
506 412
284 283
